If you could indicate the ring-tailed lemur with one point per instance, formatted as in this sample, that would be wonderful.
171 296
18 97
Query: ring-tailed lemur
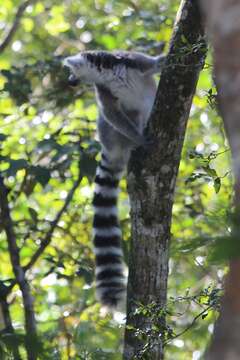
125 92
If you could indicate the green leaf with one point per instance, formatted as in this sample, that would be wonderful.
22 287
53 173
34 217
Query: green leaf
211 172
193 154
204 315
88 166
34 214
3 137
194 176
41 174
217 184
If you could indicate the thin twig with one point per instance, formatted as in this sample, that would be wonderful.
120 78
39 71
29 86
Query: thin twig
189 326
11 32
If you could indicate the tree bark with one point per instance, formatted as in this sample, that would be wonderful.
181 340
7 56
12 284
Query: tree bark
151 183
8 328
222 18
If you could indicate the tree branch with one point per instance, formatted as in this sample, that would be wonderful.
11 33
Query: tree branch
152 177
11 32
5 308
30 323
8 329
8 326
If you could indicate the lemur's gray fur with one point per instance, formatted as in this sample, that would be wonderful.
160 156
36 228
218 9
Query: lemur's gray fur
125 91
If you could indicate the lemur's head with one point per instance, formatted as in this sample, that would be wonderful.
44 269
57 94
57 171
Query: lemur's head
99 66
94 66
79 69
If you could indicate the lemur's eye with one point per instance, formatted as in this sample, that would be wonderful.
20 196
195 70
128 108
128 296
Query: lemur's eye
72 80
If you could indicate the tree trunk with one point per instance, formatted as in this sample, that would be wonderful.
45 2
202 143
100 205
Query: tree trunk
151 184
224 28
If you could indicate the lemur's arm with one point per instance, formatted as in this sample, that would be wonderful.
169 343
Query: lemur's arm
149 65
118 119
157 66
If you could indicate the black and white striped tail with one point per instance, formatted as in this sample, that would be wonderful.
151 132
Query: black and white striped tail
110 279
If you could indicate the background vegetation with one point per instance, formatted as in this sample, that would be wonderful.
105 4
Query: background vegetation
48 158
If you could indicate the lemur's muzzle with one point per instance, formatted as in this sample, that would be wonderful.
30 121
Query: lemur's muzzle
73 80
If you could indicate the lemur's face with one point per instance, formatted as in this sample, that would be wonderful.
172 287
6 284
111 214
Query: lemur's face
78 67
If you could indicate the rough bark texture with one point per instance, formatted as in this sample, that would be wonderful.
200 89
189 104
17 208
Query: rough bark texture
224 29
151 183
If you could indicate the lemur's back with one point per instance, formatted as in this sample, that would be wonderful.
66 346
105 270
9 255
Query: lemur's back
125 91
